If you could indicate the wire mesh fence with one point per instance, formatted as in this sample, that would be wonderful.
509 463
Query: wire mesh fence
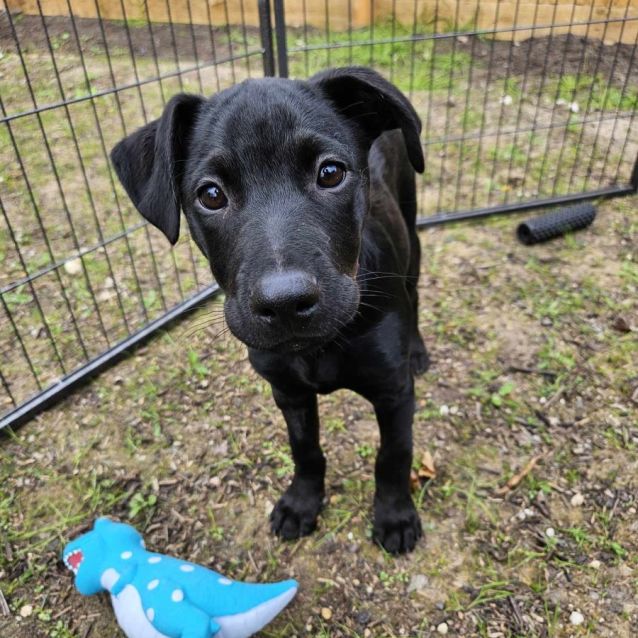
522 103
81 272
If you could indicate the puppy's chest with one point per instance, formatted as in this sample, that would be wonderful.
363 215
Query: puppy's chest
323 373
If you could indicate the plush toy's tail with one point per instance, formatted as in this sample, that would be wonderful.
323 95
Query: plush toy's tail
251 621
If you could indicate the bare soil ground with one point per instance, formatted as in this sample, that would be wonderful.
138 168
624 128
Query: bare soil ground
535 357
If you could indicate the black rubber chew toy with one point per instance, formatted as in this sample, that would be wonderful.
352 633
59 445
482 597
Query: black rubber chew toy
564 220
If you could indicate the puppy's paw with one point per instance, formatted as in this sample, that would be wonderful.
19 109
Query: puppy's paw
397 528
419 357
295 514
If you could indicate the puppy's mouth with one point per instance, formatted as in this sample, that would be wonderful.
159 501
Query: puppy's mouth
289 345
73 560
298 345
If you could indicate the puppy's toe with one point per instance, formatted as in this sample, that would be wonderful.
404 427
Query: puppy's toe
397 530
292 518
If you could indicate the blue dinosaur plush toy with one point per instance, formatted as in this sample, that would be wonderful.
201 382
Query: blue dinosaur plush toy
156 596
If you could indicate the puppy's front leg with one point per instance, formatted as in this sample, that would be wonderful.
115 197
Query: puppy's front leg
396 522
295 514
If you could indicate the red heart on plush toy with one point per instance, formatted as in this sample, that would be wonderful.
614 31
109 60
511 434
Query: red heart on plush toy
75 559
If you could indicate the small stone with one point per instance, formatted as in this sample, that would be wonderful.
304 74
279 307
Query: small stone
550 532
73 267
546 321
364 617
418 582
326 613
621 325
576 618
625 571
26 611
595 564
528 512
442 628
577 500
444 410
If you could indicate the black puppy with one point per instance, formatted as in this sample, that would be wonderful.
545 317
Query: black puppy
305 208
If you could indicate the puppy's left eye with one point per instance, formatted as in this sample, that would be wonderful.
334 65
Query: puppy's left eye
211 196
331 174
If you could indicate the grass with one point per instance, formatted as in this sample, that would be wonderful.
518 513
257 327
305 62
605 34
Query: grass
596 92
411 65
497 556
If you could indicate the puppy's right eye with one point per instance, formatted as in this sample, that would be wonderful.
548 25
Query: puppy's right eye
331 174
211 196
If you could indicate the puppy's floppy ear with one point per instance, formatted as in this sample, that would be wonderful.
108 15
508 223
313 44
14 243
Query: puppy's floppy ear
364 96
150 163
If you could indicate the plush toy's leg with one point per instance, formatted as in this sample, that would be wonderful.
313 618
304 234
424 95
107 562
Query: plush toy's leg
197 624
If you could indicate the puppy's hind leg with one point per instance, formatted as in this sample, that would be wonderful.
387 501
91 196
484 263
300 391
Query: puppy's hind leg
419 358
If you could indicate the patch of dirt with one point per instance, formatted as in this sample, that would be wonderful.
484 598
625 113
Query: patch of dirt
558 54
183 440
185 41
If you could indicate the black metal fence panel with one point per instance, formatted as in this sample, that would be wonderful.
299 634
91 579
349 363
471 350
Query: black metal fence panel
82 273
535 108
527 105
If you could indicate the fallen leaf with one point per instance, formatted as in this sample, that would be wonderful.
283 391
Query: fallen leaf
425 472
517 478
427 469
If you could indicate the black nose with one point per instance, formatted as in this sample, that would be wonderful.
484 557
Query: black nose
290 296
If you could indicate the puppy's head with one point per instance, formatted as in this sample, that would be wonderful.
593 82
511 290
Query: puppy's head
272 178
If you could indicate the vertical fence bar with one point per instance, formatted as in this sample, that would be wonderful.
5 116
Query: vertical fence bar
280 32
265 32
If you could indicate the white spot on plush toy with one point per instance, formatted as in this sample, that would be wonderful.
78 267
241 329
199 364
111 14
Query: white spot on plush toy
153 560
177 596
187 568
152 585
126 555
150 614
225 581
